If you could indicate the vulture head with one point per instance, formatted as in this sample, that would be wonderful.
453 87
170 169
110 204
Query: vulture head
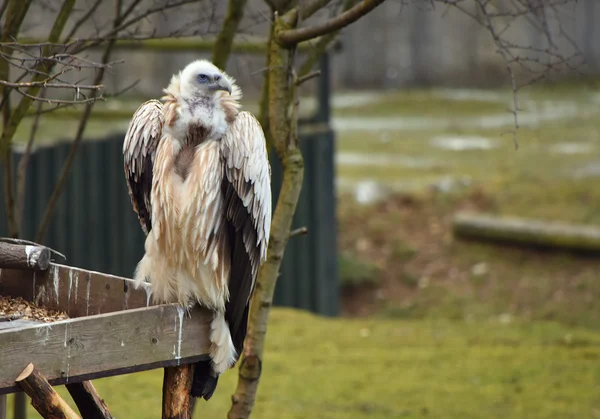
201 78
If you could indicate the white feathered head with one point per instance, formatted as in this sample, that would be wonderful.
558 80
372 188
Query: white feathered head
203 78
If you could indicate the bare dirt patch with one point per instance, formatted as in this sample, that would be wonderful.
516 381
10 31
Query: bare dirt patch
422 270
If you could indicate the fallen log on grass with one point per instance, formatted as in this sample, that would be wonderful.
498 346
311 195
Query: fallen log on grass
527 232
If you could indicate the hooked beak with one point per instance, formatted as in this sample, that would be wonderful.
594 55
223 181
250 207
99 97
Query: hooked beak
222 84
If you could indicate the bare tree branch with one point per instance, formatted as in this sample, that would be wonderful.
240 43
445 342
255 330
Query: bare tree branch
222 47
3 7
307 77
291 37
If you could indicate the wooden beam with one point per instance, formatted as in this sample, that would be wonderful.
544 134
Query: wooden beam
177 383
104 345
88 401
77 292
44 398
527 232
31 258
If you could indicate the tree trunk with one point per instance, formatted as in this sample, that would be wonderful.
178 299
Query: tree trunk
283 132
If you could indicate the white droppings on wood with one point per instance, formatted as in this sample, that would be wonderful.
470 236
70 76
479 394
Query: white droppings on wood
56 280
87 296
70 288
76 278
44 333
180 313
68 353
122 343
32 253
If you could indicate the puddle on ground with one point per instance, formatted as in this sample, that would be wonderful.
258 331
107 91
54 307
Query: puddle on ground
350 100
475 95
369 191
545 111
455 143
571 148
587 171
380 159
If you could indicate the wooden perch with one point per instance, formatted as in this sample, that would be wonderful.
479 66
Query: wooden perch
177 382
43 397
89 402
527 232
70 351
16 256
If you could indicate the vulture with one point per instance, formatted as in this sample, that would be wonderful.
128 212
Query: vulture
199 179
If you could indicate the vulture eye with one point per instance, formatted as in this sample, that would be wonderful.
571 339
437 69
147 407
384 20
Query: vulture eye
202 78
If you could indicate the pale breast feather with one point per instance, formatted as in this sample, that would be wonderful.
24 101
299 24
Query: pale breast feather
141 139
247 192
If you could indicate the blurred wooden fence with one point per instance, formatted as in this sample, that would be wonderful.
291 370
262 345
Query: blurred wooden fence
95 226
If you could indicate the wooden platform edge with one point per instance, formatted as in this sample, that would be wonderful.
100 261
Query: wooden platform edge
75 291
105 345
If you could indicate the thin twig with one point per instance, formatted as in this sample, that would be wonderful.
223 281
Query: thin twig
61 101
307 77
298 232
44 84
83 19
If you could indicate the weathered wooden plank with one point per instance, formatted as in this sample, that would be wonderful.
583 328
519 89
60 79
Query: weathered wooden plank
104 345
77 292
17 323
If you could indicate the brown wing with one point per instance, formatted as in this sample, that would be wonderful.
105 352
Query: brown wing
247 191
142 137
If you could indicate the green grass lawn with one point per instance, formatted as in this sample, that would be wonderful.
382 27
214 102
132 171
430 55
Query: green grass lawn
382 368
438 343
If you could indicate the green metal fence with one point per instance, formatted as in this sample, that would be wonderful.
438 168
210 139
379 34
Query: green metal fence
95 227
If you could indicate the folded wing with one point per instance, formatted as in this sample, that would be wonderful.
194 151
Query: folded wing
247 191
142 137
